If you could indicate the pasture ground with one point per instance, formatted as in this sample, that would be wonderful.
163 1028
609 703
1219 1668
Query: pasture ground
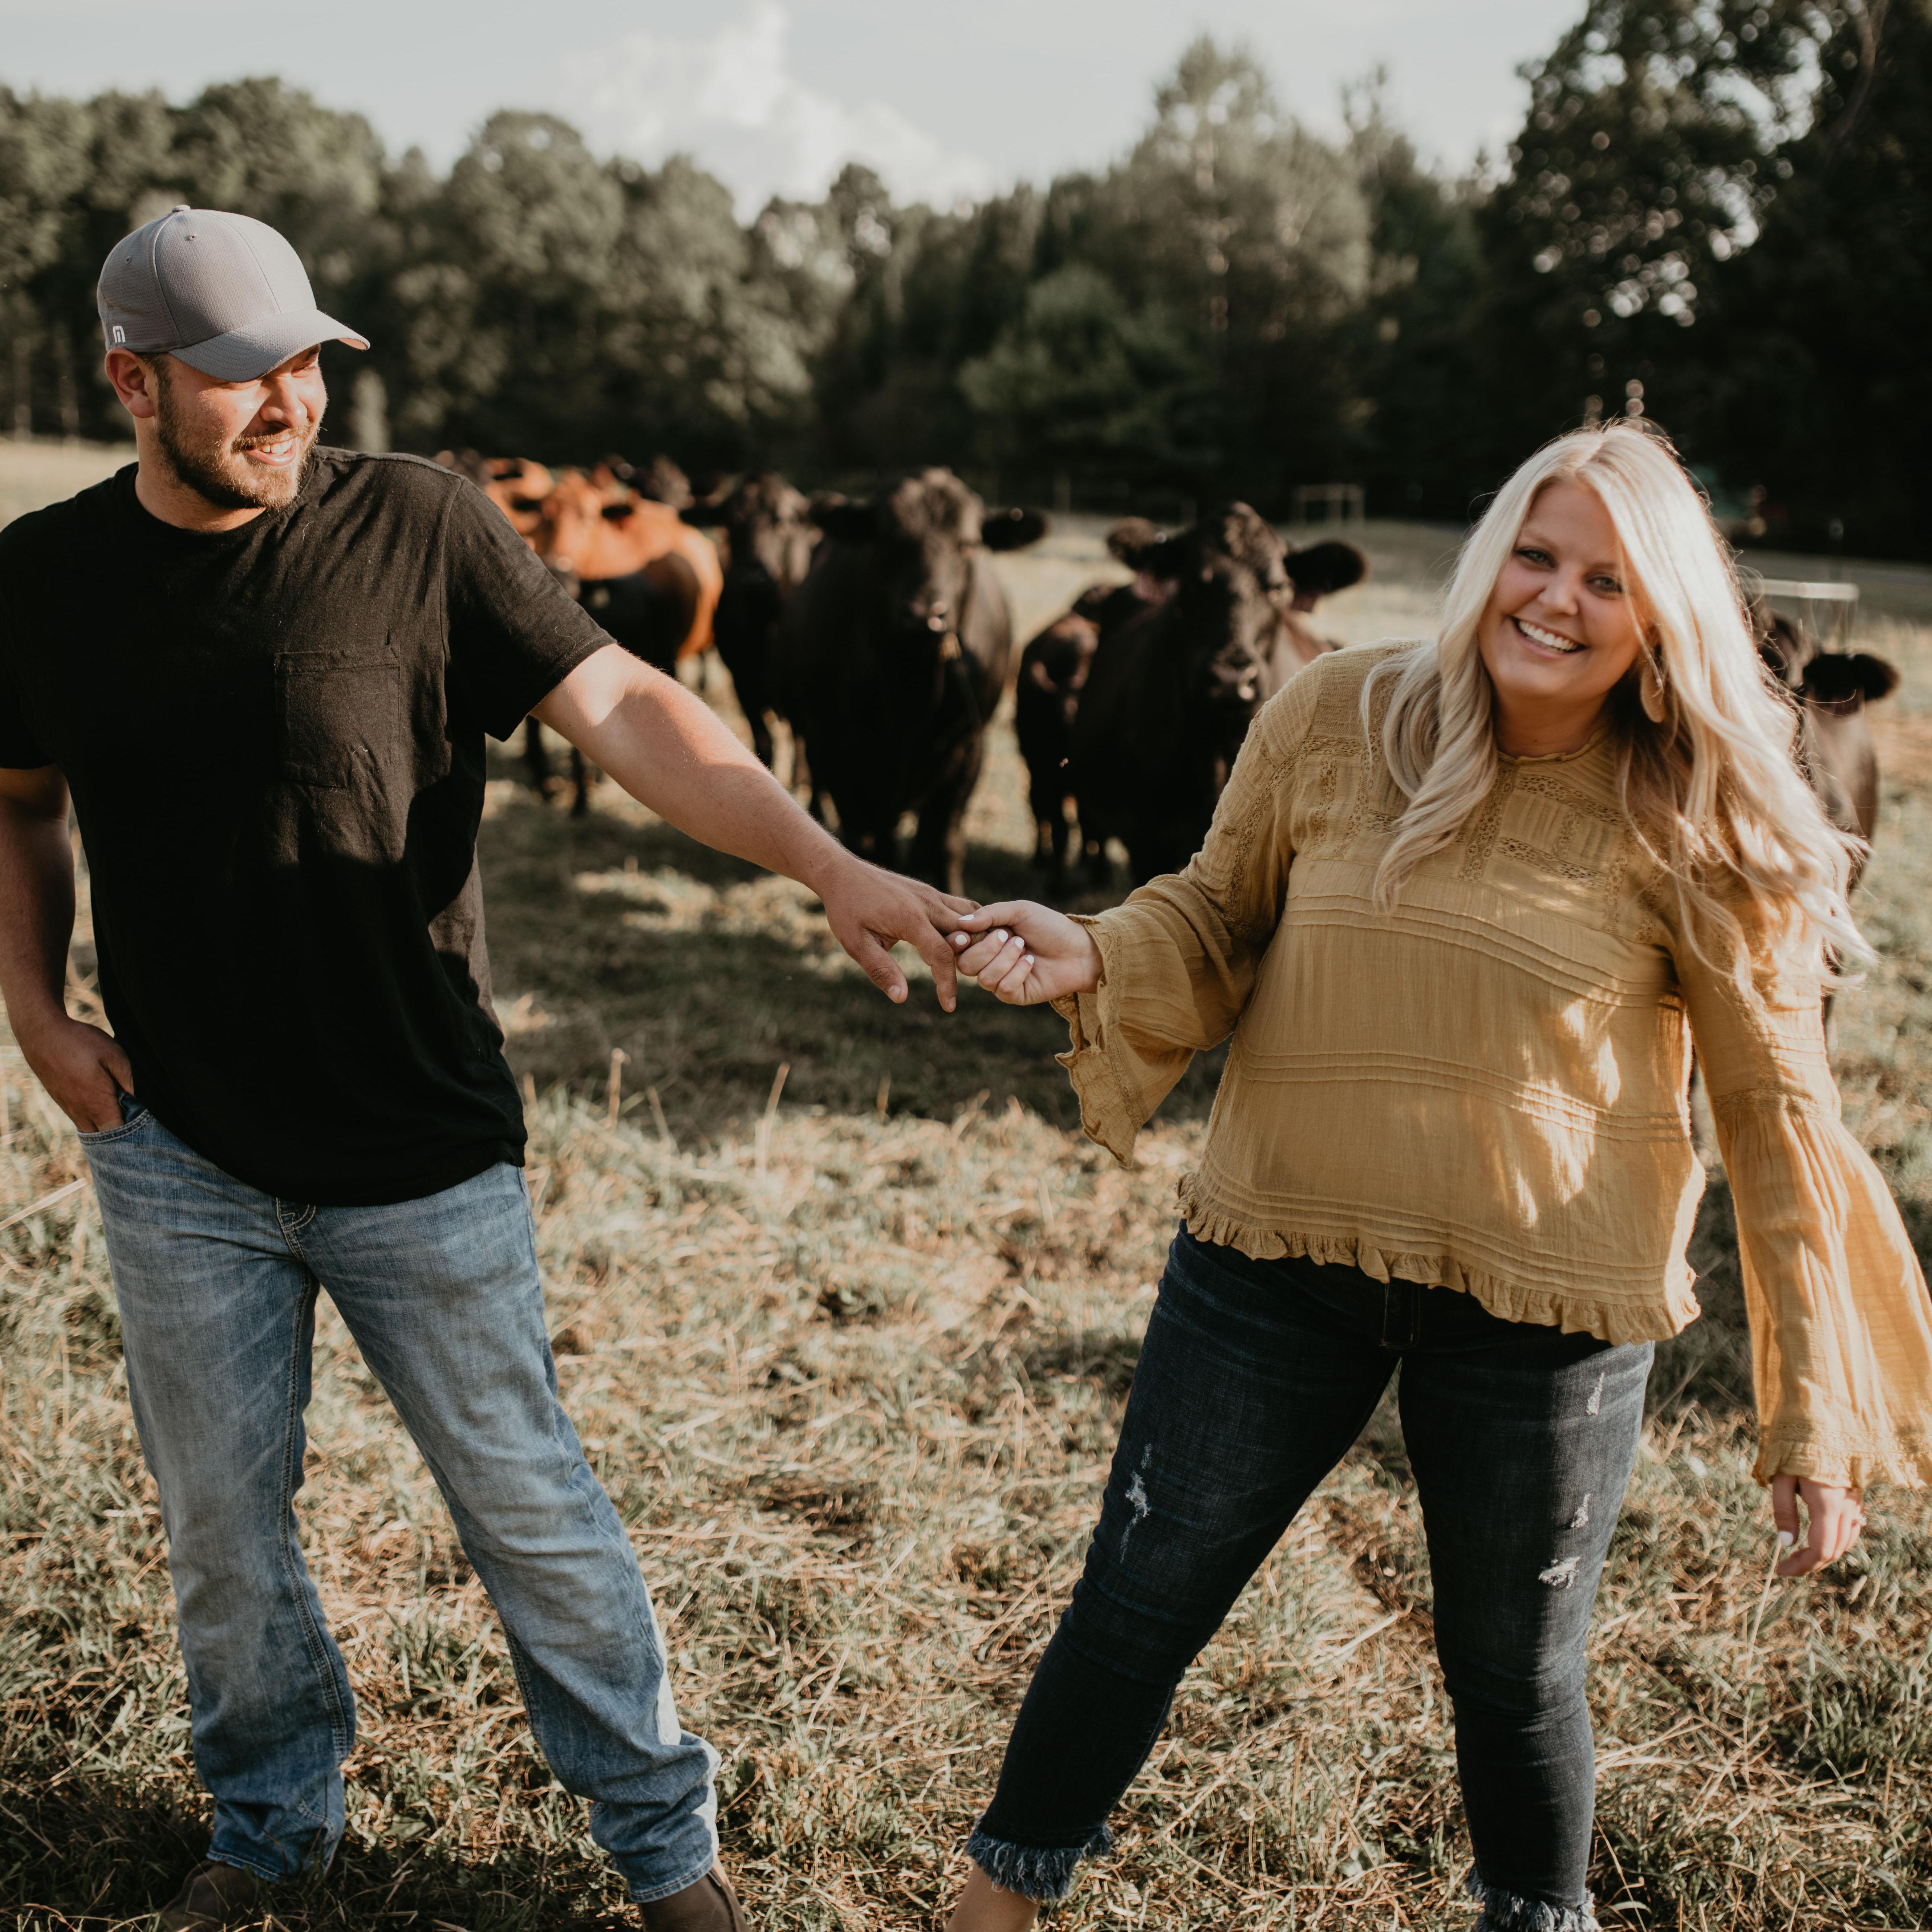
850 1353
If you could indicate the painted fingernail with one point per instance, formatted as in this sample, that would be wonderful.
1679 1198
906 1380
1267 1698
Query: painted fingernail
1027 960
959 939
999 935
1785 1539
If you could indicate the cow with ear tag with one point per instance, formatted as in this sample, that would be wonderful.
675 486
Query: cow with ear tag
1170 696
892 656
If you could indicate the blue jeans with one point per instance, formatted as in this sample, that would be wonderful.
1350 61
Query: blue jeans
217 1283
1254 1379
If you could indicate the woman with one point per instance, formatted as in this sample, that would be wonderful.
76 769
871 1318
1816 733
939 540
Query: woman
1457 905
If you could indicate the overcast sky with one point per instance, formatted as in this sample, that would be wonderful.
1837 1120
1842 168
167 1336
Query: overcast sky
772 95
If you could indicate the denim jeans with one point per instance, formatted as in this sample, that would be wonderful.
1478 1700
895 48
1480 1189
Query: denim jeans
216 1284
1254 1379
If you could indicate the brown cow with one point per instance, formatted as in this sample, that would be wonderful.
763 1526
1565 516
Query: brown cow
649 579
599 539
1834 743
514 484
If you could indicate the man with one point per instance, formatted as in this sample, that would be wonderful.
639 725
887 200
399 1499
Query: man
263 672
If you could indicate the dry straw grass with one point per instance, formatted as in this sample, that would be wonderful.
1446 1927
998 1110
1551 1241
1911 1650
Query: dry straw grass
851 1364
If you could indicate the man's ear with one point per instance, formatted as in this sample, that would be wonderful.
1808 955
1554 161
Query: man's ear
136 380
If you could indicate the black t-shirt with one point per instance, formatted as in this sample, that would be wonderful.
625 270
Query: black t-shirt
274 737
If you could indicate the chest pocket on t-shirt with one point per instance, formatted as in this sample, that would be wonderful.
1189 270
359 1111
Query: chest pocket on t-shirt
340 712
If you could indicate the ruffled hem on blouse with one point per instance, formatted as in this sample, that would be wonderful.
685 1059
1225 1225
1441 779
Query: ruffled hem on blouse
1564 1308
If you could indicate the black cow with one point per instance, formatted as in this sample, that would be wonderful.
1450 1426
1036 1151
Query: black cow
1318 572
1170 695
892 656
1835 740
769 540
1322 569
1053 672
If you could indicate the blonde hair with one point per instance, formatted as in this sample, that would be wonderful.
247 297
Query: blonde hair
1713 793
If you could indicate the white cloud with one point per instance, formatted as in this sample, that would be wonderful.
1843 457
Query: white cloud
729 98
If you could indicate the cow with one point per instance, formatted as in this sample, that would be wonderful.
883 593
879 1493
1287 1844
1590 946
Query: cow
1318 572
1170 695
1053 672
769 539
514 484
648 577
661 481
1831 689
892 656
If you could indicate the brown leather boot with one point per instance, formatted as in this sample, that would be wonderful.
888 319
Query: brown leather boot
709 1906
216 1895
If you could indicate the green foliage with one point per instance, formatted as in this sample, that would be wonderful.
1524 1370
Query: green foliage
1714 214
1818 391
1079 381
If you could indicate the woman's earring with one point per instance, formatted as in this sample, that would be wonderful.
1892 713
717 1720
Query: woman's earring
1650 693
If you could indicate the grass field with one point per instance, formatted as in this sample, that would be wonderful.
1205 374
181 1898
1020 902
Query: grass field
849 1349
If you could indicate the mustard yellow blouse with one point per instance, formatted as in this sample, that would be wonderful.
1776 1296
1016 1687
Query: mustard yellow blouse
1485 1088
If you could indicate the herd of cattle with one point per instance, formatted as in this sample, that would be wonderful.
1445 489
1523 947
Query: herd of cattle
878 632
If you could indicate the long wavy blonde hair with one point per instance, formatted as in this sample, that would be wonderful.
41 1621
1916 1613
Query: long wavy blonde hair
1713 793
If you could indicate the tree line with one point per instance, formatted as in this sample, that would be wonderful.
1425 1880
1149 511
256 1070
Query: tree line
1715 213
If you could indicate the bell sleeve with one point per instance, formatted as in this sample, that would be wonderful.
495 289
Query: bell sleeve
1179 957
1841 1326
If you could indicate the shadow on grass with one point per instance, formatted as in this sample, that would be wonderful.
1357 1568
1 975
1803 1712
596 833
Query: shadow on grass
87 1853
707 1015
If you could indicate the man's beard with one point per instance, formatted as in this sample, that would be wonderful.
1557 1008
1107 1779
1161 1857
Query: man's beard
213 469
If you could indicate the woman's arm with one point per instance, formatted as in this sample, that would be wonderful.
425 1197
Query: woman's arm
1145 987
1841 1326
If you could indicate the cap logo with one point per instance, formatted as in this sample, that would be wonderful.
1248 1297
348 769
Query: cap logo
120 335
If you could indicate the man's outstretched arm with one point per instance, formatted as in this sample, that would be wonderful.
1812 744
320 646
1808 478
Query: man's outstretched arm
80 1065
666 748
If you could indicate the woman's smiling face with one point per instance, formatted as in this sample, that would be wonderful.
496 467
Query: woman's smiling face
1563 625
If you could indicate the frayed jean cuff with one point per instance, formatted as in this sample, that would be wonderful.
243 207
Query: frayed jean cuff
1511 1911
1043 1872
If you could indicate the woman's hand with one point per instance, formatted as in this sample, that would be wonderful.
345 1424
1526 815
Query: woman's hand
1833 1516
1023 953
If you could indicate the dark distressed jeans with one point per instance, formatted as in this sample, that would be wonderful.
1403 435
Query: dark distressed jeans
1254 1379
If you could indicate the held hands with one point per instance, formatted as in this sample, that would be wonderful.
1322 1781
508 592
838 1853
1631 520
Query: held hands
1023 953
870 910
1833 1518
83 1068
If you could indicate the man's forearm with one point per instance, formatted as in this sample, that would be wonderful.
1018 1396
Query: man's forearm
36 901
669 751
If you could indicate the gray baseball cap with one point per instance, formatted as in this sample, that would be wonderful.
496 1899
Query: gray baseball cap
224 292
